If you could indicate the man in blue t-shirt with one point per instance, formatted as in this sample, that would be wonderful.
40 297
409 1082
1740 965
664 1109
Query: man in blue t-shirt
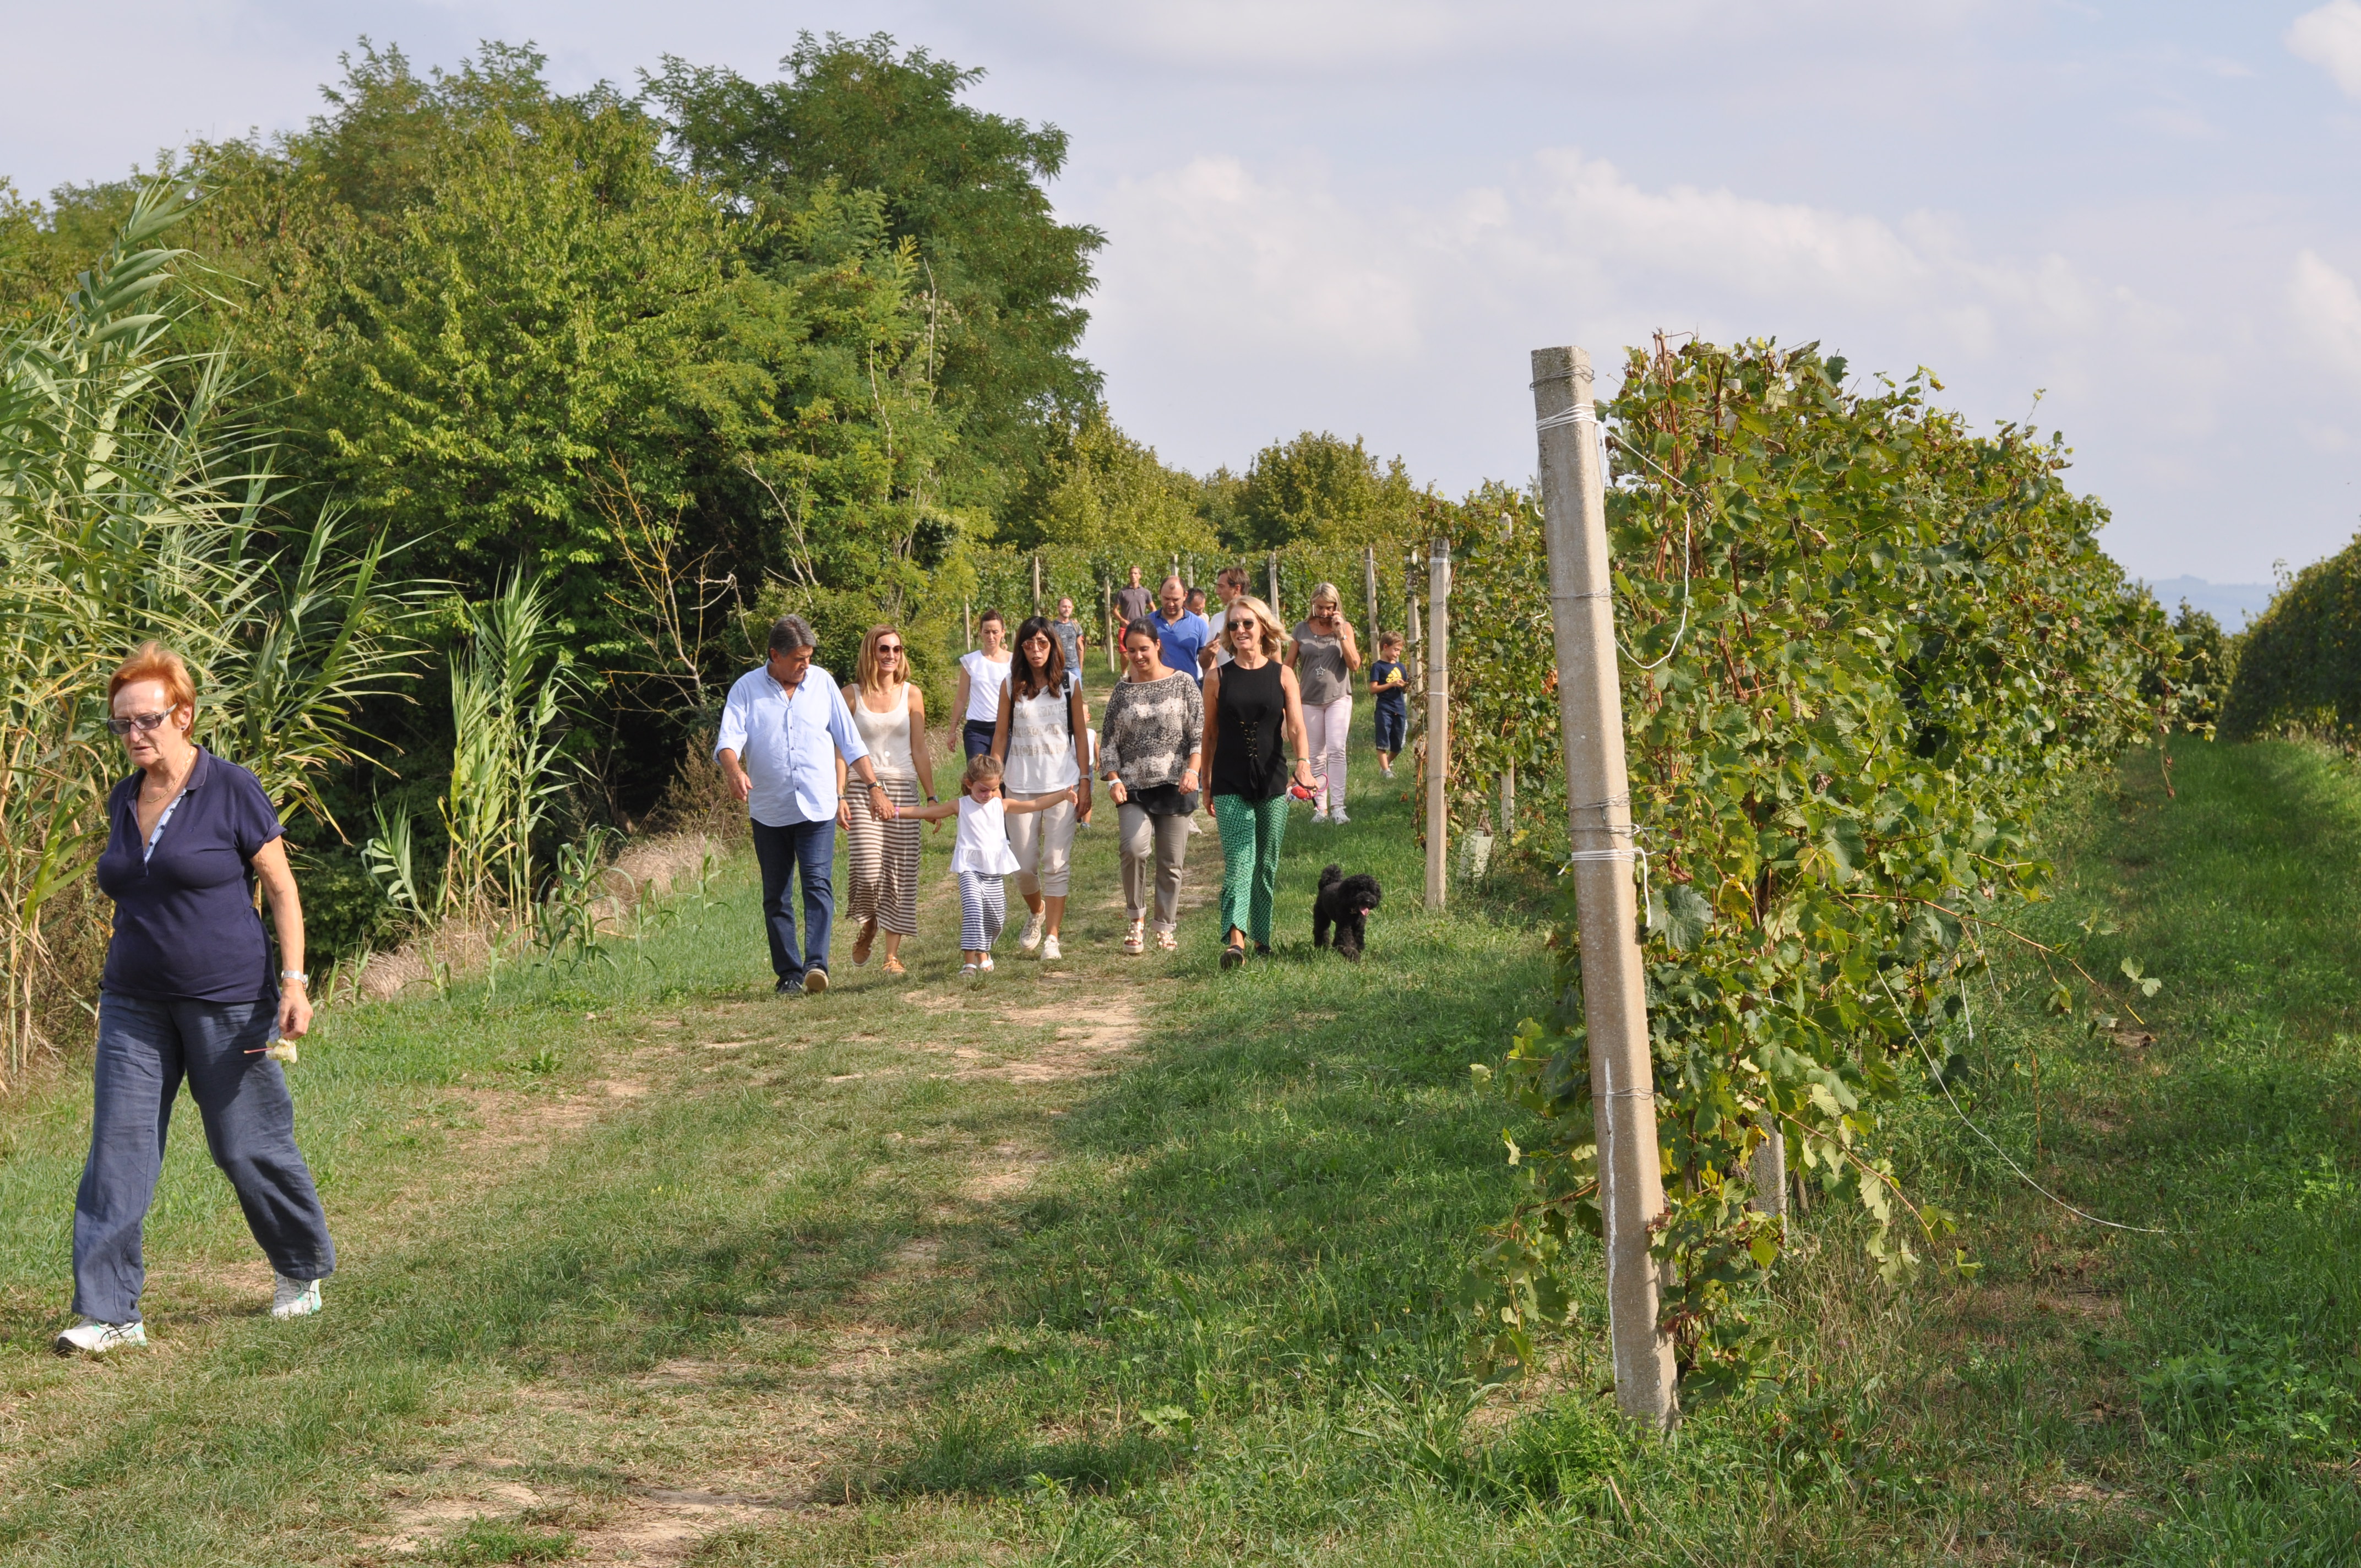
1183 633
1390 682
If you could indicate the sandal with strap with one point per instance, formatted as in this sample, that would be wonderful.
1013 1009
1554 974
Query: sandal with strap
1135 942
1166 942
1233 955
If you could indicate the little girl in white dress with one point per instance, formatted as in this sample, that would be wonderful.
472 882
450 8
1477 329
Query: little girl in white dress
980 856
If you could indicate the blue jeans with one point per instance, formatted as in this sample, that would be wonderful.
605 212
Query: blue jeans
1393 726
806 849
145 1050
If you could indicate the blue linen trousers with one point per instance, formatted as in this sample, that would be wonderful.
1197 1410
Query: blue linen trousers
146 1048
805 850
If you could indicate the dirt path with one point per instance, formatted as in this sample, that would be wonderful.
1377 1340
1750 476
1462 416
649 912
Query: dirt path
768 1425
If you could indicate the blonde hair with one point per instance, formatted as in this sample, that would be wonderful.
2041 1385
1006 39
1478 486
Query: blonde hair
1273 638
982 768
1327 591
865 668
153 661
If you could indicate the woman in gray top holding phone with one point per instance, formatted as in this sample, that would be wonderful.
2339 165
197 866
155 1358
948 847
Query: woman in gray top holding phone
1323 656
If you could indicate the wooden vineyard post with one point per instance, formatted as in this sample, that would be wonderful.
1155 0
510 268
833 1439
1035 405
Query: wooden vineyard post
1369 581
1115 632
1507 801
967 623
1273 600
1415 647
1599 807
1037 586
1438 719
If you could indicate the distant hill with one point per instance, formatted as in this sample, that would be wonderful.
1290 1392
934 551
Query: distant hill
2232 604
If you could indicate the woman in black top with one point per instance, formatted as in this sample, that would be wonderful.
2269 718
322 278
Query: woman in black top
1252 706
189 994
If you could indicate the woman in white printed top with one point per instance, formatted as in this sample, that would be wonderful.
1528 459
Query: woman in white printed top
981 672
980 856
1043 741
890 712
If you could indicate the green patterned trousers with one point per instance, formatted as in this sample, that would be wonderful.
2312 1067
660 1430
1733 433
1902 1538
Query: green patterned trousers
1251 832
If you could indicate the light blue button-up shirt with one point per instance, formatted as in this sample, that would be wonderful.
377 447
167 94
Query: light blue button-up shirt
788 743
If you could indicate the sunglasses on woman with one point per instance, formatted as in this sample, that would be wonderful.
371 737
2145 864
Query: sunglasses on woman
140 722
885 648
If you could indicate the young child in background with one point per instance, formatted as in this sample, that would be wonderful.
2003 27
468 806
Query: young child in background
981 855
1389 683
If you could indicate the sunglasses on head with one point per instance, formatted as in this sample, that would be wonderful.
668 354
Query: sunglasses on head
140 722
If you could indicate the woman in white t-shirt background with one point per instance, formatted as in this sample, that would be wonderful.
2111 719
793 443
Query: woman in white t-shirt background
1042 738
890 712
981 672
980 856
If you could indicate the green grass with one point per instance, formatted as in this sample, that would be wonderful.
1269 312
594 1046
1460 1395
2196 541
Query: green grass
886 1277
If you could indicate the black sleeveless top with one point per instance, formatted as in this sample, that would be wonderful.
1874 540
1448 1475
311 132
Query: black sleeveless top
1250 718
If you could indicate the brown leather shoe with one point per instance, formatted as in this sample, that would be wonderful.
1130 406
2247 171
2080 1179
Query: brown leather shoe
861 944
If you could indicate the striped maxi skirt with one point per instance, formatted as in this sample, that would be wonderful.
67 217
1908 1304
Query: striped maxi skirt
884 857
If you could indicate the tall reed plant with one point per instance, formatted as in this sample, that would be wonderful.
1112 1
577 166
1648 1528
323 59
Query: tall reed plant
134 505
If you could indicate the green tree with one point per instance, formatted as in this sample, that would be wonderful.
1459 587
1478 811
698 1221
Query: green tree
1319 489
1110 492
1005 279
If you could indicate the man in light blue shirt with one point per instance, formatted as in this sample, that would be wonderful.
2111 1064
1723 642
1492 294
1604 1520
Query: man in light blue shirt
1182 631
782 732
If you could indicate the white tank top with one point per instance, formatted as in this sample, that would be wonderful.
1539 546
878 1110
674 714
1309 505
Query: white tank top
1040 745
886 734
984 679
983 843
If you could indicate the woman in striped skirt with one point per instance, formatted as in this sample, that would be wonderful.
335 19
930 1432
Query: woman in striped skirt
891 713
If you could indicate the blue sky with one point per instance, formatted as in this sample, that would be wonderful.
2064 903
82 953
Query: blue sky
1360 216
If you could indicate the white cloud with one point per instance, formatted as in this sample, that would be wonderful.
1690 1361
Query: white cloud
2330 37
2327 310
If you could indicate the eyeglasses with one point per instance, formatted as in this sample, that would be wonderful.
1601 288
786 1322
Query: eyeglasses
140 723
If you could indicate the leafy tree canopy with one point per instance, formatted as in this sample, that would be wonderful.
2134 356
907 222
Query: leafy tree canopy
1318 489
1006 279
1108 491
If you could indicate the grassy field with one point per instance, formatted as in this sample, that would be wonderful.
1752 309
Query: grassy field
1131 1261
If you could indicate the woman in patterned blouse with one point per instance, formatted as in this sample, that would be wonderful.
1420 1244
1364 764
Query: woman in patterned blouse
1149 755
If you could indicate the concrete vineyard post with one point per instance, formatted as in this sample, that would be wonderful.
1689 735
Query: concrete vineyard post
1274 588
1369 580
1508 800
1115 632
1438 718
967 622
1599 802
1036 585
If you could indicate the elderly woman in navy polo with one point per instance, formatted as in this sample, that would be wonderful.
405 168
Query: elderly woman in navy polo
189 993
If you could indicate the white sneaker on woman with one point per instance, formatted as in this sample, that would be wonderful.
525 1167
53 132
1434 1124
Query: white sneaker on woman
1319 819
1338 816
294 1298
1049 953
91 1337
1030 938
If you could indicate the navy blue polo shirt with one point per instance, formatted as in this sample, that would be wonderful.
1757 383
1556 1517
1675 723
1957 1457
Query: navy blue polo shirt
185 925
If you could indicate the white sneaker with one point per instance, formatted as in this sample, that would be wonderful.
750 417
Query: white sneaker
294 1298
1338 816
1319 819
1030 938
91 1337
1049 953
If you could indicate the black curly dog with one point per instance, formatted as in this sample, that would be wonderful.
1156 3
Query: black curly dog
1345 901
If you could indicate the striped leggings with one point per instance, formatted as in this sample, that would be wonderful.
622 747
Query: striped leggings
884 857
983 909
